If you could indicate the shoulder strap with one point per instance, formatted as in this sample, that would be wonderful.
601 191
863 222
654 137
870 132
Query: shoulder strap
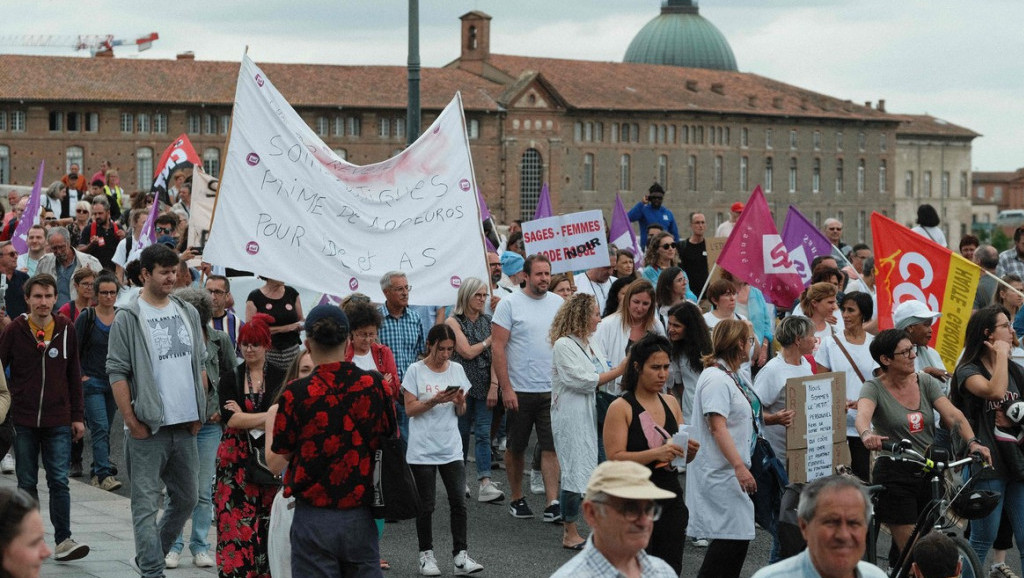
842 348
746 395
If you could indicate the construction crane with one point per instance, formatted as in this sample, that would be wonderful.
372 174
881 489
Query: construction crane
96 44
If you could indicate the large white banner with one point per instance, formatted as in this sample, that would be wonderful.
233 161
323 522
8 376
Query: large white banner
289 208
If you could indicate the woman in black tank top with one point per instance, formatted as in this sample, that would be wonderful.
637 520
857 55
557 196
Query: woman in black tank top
639 428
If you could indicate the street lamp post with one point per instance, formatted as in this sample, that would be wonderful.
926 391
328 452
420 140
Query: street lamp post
412 114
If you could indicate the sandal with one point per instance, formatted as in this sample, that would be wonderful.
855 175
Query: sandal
384 564
576 547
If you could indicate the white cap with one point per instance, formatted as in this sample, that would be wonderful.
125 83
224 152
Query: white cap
911 313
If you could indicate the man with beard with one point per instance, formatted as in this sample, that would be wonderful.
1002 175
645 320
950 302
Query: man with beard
11 283
494 270
693 253
103 234
63 261
651 212
522 364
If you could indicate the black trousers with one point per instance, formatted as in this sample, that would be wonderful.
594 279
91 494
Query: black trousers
724 559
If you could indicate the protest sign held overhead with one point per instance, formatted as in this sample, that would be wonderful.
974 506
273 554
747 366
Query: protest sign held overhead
178 154
572 242
910 266
290 208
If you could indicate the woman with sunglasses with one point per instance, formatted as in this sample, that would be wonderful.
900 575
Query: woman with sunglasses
79 221
661 254
22 540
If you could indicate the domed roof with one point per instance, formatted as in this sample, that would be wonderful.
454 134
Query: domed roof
679 36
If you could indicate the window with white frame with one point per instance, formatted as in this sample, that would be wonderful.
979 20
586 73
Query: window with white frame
663 170
5 164
743 174
73 122
194 123
56 121
588 172
92 122
816 176
211 161
73 155
473 127
342 154
861 176
882 176
691 172
160 123
384 127
355 126
142 124
792 175
127 122
17 121
719 177
322 126
210 123
3 120
144 167
624 180
769 174
839 177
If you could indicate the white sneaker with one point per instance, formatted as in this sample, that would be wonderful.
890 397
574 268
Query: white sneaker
467 492
428 564
503 445
1001 571
203 560
699 542
536 482
489 493
172 559
465 565
69 550
7 464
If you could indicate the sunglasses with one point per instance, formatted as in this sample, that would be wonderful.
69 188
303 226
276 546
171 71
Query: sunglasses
667 246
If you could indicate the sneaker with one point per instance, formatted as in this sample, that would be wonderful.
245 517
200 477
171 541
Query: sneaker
520 509
503 445
172 559
69 550
465 565
428 564
1001 571
536 482
553 513
468 495
76 469
203 560
489 492
699 542
7 464
108 483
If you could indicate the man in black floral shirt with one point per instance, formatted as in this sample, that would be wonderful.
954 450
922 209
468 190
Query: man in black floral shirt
329 425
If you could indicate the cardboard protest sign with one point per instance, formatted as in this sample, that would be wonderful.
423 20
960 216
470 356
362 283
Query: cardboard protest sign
572 242
816 441
289 208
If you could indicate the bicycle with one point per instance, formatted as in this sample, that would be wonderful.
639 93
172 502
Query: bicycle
942 512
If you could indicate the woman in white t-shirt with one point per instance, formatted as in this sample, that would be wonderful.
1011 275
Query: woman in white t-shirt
819 303
435 395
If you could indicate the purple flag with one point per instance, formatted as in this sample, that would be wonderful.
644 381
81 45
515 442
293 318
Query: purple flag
804 242
31 215
485 213
148 234
622 235
544 204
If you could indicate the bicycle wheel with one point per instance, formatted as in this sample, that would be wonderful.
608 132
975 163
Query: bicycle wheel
972 567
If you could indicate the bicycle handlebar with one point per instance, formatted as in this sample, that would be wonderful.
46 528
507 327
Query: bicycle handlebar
901 452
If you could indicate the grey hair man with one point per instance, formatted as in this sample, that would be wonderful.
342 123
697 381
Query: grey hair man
833 229
987 258
401 331
598 280
62 261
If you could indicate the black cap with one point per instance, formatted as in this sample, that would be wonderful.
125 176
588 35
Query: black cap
656 188
326 311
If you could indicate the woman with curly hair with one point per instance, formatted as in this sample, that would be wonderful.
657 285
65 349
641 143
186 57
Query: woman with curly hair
243 507
578 367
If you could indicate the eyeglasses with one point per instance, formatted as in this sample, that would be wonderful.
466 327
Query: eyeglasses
80 211
480 295
108 293
250 346
10 253
835 228
667 246
217 292
908 353
1006 325
406 288
631 510
365 334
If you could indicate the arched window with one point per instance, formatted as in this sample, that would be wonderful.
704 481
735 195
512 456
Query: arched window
882 176
5 164
531 169
144 168
211 161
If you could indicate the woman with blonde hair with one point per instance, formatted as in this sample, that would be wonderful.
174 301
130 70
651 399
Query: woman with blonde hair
79 222
561 284
578 368
818 302
634 319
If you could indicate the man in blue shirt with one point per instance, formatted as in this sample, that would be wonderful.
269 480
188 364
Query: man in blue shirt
650 212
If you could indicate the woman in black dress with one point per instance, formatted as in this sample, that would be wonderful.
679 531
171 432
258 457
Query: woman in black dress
282 304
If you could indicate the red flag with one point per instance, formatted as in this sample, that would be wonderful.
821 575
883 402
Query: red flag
911 266
179 152
755 253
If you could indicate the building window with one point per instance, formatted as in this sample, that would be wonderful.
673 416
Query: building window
5 164
744 137
355 126
160 123
908 184
18 121
792 175
671 134
127 122
981 192
691 172
3 120
144 168
624 173
728 140
862 218
926 185
684 137
944 185
92 122
718 173
963 184
339 126
662 129
792 139
142 123
473 126
530 171
209 125
861 141
997 193
56 121
634 133
721 136
860 176
769 174
882 170
839 177
384 127
817 219
588 172
400 127
74 122
73 155
225 123
882 144
652 134
699 135
615 132
767 138
211 161
839 141
194 123
816 176
322 126
817 140
577 134
743 174
712 139
598 131
663 170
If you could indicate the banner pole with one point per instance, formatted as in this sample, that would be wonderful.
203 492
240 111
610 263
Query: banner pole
1001 282
706 283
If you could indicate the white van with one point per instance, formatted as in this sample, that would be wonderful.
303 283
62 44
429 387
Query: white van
1011 218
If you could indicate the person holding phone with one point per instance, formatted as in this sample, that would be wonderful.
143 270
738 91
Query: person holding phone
435 395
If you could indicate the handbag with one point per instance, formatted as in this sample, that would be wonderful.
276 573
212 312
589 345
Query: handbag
256 469
395 496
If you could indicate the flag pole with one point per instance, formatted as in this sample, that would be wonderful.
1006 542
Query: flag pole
706 282
1001 282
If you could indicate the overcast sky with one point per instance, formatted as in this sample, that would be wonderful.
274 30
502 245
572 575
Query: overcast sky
956 60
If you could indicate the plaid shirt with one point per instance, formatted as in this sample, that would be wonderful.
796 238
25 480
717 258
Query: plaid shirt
591 563
1009 262
404 335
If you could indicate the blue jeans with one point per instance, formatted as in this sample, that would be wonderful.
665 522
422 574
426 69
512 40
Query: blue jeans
403 420
202 515
477 418
328 543
983 531
99 416
55 445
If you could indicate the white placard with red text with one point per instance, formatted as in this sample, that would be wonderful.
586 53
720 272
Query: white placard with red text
572 242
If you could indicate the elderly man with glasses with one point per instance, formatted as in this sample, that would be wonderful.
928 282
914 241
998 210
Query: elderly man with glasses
620 507
62 261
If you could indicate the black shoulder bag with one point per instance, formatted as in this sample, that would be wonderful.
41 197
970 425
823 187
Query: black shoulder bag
395 496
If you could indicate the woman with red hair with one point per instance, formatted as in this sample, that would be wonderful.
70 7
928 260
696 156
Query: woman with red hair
243 507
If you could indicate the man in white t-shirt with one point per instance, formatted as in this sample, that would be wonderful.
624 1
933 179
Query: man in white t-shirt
155 361
124 246
522 363
597 281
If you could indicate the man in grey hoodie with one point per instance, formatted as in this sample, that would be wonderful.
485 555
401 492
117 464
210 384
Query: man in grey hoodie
155 361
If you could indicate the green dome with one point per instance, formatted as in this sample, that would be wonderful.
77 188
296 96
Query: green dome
679 36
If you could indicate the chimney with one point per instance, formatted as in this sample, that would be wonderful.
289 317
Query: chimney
881 105
188 55
718 88
691 85
867 104
476 41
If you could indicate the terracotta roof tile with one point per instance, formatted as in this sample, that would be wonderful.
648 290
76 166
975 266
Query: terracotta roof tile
45 78
925 125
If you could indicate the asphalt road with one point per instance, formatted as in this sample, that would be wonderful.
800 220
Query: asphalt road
505 546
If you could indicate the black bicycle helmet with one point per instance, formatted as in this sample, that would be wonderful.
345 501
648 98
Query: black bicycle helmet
975 504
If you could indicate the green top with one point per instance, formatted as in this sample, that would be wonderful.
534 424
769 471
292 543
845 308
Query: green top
896 422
